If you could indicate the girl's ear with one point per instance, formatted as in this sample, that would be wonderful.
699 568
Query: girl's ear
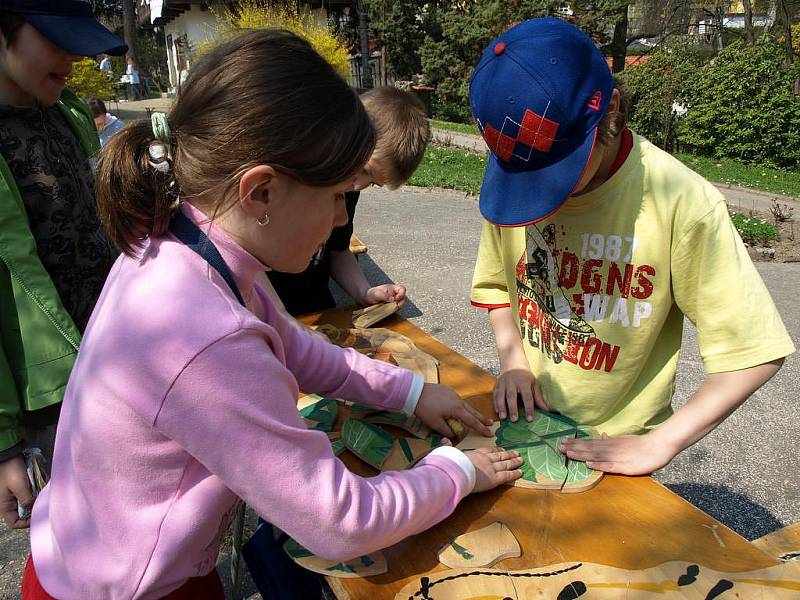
255 188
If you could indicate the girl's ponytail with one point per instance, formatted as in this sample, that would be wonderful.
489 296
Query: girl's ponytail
134 197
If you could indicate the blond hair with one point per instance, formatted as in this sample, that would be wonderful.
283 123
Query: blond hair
402 129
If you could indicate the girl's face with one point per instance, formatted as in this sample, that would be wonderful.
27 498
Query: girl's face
33 68
301 218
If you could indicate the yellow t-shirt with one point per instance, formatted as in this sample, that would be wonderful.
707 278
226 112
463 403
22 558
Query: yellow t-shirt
600 289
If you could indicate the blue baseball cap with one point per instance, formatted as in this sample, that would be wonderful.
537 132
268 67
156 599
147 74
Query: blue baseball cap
69 24
538 95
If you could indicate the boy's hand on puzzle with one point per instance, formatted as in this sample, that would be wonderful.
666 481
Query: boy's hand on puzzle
15 488
493 467
437 403
514 383
626 454
388 292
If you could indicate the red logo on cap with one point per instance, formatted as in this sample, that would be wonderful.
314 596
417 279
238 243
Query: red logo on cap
535 131
595 101
499 48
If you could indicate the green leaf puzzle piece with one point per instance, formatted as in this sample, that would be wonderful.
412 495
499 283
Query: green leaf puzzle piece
337 446
369 442
321 415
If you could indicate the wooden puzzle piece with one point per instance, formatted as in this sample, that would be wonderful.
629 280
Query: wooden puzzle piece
318 413
418 362
365 317
337 443
376 446
377 340
363 566
481 548
537 441
575 581
408 423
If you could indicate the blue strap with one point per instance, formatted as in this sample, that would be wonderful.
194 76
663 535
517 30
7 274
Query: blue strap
187 232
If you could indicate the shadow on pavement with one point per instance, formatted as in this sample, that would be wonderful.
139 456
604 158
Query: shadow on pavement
734 510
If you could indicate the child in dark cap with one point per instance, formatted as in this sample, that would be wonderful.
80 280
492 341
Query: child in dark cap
54 254
596 246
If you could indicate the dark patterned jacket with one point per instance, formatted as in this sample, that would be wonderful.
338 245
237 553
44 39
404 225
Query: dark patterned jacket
54 255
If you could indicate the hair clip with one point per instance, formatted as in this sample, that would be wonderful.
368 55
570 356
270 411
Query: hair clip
159 156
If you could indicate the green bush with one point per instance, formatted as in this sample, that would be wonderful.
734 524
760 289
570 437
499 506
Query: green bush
742 106
655 85
87 80
754 230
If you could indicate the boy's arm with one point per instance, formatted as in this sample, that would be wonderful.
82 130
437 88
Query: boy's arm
719 395
515 377
346 272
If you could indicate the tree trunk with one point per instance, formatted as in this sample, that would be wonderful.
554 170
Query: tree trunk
748 22
787 31
129 28
619 46
363 30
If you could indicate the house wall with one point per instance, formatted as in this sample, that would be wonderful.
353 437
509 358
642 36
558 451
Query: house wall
196 25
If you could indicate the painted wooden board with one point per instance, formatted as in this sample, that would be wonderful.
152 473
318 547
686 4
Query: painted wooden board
483 547
363 566
366 317
575 581
376 446
537 441
783 544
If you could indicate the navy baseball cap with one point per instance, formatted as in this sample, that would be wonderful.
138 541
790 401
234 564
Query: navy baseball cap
69 24
538 95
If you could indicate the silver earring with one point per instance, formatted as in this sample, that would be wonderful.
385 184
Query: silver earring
263 220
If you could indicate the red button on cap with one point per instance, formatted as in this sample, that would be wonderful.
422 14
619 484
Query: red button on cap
499 48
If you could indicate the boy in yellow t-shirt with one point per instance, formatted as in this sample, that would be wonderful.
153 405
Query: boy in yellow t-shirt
596 245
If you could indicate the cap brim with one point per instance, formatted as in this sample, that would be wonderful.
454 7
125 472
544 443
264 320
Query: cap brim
517 198
79 35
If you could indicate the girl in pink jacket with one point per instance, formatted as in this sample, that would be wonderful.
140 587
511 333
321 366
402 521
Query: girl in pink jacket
183 397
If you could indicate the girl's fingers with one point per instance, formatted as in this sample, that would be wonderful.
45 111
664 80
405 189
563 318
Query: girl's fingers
501 455
507 465
511 403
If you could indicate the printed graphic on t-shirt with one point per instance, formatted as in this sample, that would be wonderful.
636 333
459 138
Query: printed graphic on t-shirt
562 293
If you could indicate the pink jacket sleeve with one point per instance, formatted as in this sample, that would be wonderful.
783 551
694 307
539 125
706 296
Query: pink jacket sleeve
233 408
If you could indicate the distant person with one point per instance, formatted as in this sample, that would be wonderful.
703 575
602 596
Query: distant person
134 82
105 65
403 133
105 123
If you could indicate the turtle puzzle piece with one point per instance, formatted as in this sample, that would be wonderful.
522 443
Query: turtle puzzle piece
377 340
363 566
376 446
537 441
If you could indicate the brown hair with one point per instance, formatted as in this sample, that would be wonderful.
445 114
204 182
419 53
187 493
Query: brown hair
264 97
10 24
614 122
403 130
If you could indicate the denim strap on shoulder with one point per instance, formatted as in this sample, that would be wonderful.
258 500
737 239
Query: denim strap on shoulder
190 234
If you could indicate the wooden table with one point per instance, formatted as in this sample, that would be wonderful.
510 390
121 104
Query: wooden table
626 522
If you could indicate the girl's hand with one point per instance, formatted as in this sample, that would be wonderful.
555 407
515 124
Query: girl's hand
627 454
388 292
493 467
514 383
438 403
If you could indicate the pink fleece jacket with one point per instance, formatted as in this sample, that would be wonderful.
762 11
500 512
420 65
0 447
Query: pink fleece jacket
182 401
